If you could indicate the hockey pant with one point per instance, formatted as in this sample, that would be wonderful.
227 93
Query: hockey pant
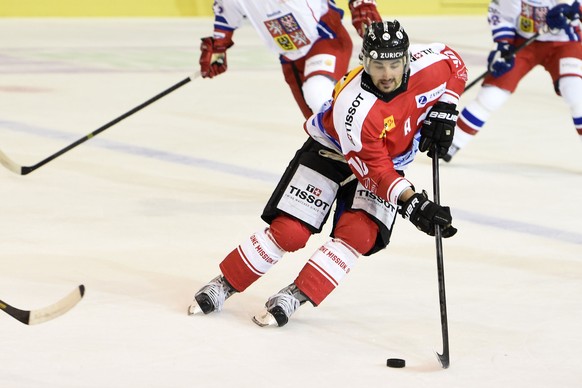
298 208
563 60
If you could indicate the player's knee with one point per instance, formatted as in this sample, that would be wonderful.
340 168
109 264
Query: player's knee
491 98
290 234
317 90
357 230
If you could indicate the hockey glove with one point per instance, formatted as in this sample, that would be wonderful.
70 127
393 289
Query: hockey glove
438 129
363 12
501 60
213 56
561 17
425 215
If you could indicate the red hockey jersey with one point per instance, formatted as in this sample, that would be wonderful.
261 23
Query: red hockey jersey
378 138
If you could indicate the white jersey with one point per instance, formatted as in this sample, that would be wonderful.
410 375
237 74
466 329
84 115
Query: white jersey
289 27
511 18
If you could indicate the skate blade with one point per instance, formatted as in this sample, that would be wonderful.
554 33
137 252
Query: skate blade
194 309
265 319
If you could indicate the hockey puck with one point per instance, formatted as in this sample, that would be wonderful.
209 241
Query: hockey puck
395 363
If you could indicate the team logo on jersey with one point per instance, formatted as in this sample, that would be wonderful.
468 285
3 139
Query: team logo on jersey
526 25
287 33
389 124
531 18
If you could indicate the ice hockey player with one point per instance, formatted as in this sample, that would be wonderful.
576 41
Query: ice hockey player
400 101
314 47
558 49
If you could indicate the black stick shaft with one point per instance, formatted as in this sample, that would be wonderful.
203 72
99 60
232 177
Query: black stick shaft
20 315
26 170
444 357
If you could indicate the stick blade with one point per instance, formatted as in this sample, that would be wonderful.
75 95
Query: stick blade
9 164
444 359
57 309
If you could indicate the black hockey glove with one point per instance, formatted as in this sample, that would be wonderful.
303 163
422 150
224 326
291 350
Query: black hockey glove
425 215
438 129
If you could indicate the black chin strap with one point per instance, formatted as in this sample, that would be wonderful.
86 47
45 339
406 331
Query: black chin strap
369 86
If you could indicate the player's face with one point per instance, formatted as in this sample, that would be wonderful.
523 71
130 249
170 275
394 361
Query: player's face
386 74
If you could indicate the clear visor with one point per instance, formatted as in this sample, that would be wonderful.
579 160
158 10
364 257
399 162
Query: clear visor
404 60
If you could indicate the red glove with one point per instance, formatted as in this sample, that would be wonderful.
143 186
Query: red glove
213 56
363 12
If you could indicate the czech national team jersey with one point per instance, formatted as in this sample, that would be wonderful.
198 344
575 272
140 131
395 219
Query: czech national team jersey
288 27
378 138
508 18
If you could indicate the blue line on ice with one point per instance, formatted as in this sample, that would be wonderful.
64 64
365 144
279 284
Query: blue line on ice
169 157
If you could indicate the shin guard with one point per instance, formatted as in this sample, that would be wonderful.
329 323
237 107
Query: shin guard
251 260
325 269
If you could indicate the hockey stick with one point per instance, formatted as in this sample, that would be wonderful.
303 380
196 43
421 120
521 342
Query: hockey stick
517 49
444 358
24 170
33 317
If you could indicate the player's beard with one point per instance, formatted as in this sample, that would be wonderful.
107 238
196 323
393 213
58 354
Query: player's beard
388 85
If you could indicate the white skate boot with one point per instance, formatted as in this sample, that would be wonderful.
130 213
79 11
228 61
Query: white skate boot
211 297
450 153
281 306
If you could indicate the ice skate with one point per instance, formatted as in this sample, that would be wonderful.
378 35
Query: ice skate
280 307
450 153
211 297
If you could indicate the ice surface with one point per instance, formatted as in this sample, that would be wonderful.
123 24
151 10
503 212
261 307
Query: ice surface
143 214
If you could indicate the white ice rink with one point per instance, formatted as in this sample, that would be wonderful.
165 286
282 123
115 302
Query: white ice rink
143 213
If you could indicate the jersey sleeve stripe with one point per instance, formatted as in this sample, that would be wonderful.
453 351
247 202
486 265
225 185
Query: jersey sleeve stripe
396 188
503 33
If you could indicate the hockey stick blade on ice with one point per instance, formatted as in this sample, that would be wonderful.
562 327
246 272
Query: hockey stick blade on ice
33 317
24 170
443 357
